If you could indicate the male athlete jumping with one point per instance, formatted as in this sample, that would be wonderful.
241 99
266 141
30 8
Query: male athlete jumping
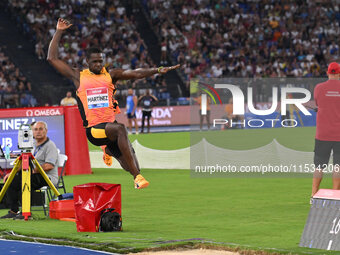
95 90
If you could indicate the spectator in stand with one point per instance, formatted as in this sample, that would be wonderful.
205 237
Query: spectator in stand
163 91
106 20
15 90
163 53
40 51
95 23
68 100
244 39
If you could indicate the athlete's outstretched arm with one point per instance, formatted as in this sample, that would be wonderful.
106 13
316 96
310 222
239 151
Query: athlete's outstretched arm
120 74
52 55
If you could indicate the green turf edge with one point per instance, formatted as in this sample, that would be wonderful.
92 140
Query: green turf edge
106 247
180 245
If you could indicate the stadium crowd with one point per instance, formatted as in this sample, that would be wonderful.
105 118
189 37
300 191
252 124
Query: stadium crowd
214 38
209 38
103 24
15 89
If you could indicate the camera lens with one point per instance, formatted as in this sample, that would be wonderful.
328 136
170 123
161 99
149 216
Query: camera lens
26 135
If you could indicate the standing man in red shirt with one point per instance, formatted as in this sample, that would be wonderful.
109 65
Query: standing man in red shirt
327 138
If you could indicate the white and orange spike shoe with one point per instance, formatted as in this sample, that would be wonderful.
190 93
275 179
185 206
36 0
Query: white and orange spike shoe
140 182
106 157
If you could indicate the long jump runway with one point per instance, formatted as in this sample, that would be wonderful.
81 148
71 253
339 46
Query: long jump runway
24 248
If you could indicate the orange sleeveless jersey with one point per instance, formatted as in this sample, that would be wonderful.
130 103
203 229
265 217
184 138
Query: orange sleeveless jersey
96 93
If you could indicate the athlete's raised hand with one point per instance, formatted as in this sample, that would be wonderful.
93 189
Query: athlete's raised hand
53 58
63 24
164 70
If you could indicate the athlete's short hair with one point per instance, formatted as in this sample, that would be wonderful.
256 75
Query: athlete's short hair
91 51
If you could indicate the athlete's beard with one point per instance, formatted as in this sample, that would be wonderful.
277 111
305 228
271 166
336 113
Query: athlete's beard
95 72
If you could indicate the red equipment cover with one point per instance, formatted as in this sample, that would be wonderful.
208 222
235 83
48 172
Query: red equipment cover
76 146
62 209
90 199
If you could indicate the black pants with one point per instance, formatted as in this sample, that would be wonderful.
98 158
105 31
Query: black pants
146 114
322 153
112 146
14 190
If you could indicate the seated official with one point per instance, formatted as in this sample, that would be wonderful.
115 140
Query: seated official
46 153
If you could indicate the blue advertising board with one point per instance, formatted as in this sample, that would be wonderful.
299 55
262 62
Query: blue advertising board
9 126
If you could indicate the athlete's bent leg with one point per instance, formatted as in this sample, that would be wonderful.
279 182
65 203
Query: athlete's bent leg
117 132
121 160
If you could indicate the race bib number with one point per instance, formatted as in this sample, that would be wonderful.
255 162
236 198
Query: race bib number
147 103
97 98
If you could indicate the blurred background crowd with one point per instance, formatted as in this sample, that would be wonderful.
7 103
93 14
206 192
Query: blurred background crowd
209 38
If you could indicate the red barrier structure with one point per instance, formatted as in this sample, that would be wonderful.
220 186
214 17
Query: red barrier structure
91 199
76 145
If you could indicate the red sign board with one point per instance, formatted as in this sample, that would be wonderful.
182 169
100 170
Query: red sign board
162 116
31 112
